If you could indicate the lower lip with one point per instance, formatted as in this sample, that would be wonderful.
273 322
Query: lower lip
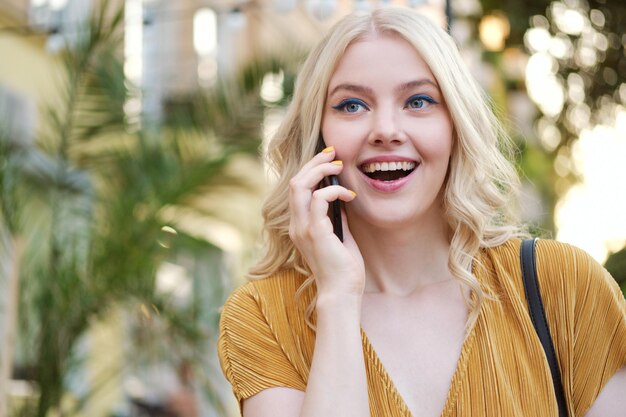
388 186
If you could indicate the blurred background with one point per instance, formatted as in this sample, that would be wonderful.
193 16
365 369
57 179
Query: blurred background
131 182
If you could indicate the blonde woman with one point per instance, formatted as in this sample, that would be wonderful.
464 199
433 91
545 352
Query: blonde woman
420 310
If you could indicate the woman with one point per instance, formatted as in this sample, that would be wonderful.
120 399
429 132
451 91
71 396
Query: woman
420 311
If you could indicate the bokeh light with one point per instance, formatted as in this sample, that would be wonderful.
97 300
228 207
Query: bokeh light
591 214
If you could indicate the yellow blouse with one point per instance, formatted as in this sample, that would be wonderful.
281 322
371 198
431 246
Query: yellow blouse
502 370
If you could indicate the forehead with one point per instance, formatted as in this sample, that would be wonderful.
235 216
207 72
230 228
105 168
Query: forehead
378 55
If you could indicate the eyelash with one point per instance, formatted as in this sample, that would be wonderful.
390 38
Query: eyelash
422 98
345 103
352 101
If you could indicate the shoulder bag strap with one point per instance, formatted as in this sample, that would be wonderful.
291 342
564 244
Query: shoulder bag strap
537 314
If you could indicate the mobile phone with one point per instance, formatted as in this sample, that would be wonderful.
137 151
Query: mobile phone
334 211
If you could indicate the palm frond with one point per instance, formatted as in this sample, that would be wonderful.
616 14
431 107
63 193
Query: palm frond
93 199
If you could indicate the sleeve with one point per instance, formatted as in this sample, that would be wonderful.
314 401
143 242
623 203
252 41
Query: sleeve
250 353
587 315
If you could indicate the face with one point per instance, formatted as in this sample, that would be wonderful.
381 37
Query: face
386 118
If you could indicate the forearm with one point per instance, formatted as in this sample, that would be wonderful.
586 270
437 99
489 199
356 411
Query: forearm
337 383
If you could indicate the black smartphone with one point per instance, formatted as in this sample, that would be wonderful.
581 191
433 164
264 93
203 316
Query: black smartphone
335 206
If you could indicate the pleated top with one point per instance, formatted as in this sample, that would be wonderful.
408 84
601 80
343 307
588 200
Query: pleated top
502 369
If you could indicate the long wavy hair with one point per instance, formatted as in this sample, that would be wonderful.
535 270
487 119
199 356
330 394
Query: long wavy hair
480 192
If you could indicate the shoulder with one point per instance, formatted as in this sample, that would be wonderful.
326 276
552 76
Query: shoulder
262 333
553 259
569 272
578 287
276 291
563 271
269 307
553 253
575 288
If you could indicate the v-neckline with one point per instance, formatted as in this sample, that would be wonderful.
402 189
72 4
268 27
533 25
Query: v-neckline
455 384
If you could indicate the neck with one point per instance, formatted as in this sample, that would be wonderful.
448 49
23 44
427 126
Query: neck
400 260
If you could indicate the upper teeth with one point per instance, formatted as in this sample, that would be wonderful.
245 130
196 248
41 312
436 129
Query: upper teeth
388 166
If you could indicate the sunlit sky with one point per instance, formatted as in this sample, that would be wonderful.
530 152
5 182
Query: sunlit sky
592 215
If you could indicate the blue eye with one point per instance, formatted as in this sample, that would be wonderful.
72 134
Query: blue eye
351 105
419 101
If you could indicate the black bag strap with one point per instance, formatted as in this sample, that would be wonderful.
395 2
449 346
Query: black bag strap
538 316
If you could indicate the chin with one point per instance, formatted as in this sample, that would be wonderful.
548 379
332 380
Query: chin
386 219
397 216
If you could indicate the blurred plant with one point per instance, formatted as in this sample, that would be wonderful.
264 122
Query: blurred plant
616 265
93 196
576 73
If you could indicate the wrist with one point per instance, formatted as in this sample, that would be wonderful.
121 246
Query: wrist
348 288
338 304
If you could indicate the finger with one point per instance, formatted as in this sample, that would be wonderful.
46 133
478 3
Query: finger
323 157
311 176
305 183
321 199
326 155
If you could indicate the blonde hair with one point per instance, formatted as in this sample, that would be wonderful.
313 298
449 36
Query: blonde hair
481 182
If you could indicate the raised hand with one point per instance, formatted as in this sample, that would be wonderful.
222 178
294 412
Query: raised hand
338 267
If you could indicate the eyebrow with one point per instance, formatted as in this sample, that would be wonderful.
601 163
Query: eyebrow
402 87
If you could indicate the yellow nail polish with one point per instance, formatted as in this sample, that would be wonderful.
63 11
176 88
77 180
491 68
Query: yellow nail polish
337 162
353 193
328 149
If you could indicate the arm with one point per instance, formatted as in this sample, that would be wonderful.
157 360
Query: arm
337 382
610 402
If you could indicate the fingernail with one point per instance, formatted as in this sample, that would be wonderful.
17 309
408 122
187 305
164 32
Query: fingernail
337 162
328 149
353 193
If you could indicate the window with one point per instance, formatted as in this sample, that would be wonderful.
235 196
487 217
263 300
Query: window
205 45
62 19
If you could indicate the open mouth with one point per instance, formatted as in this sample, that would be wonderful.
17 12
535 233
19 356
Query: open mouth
388 171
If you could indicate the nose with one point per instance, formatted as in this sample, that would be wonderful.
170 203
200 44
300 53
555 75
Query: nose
386 129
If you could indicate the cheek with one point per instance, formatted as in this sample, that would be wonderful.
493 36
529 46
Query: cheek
345 137
443 147
437 138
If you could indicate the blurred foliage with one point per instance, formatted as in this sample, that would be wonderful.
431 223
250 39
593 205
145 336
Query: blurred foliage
234 110
92 198
584 39
606 17
584 44
590 63
537 166
616 265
